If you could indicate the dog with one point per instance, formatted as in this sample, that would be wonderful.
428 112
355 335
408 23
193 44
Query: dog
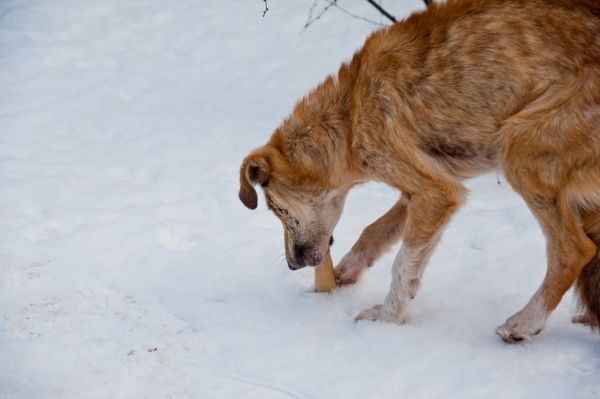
460 89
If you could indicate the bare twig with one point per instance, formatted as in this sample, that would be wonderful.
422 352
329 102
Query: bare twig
310 12
310 21
267 8
383 11
333 3
353 15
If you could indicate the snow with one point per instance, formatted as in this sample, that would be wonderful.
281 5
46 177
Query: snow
129 268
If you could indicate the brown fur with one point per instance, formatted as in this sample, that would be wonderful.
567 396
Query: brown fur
455 91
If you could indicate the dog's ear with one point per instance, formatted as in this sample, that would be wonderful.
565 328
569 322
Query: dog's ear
255 170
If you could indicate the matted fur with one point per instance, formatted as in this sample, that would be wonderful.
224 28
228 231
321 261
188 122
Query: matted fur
460 89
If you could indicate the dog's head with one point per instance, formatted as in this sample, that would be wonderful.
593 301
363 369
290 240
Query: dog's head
302 199
306 171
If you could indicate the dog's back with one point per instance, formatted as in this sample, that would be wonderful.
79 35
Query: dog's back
462 69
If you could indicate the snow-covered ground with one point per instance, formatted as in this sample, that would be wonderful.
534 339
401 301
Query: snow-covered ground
129 268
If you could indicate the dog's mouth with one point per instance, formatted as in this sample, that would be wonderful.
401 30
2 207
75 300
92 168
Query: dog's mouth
306 256
294 267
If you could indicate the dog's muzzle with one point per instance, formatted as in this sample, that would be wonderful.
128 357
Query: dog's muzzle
294 267
305 256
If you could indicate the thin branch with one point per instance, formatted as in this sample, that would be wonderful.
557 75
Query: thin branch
310 21
310 13
354 15
334 3
267 8
383 11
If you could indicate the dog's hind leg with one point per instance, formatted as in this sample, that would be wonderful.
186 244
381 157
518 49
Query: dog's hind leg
429 211
568 250
374 241
587 286
550 158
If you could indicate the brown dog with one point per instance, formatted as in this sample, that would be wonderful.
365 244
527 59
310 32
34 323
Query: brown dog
461 89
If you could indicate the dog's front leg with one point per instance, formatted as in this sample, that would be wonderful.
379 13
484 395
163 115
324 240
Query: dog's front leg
428 214
375 240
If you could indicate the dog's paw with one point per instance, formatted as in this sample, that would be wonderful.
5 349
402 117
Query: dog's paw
349 269
381 313
372 314
519 328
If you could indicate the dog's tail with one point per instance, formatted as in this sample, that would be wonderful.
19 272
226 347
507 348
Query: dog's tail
587 286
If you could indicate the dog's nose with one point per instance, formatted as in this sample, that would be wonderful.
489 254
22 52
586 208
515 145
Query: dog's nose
300 254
